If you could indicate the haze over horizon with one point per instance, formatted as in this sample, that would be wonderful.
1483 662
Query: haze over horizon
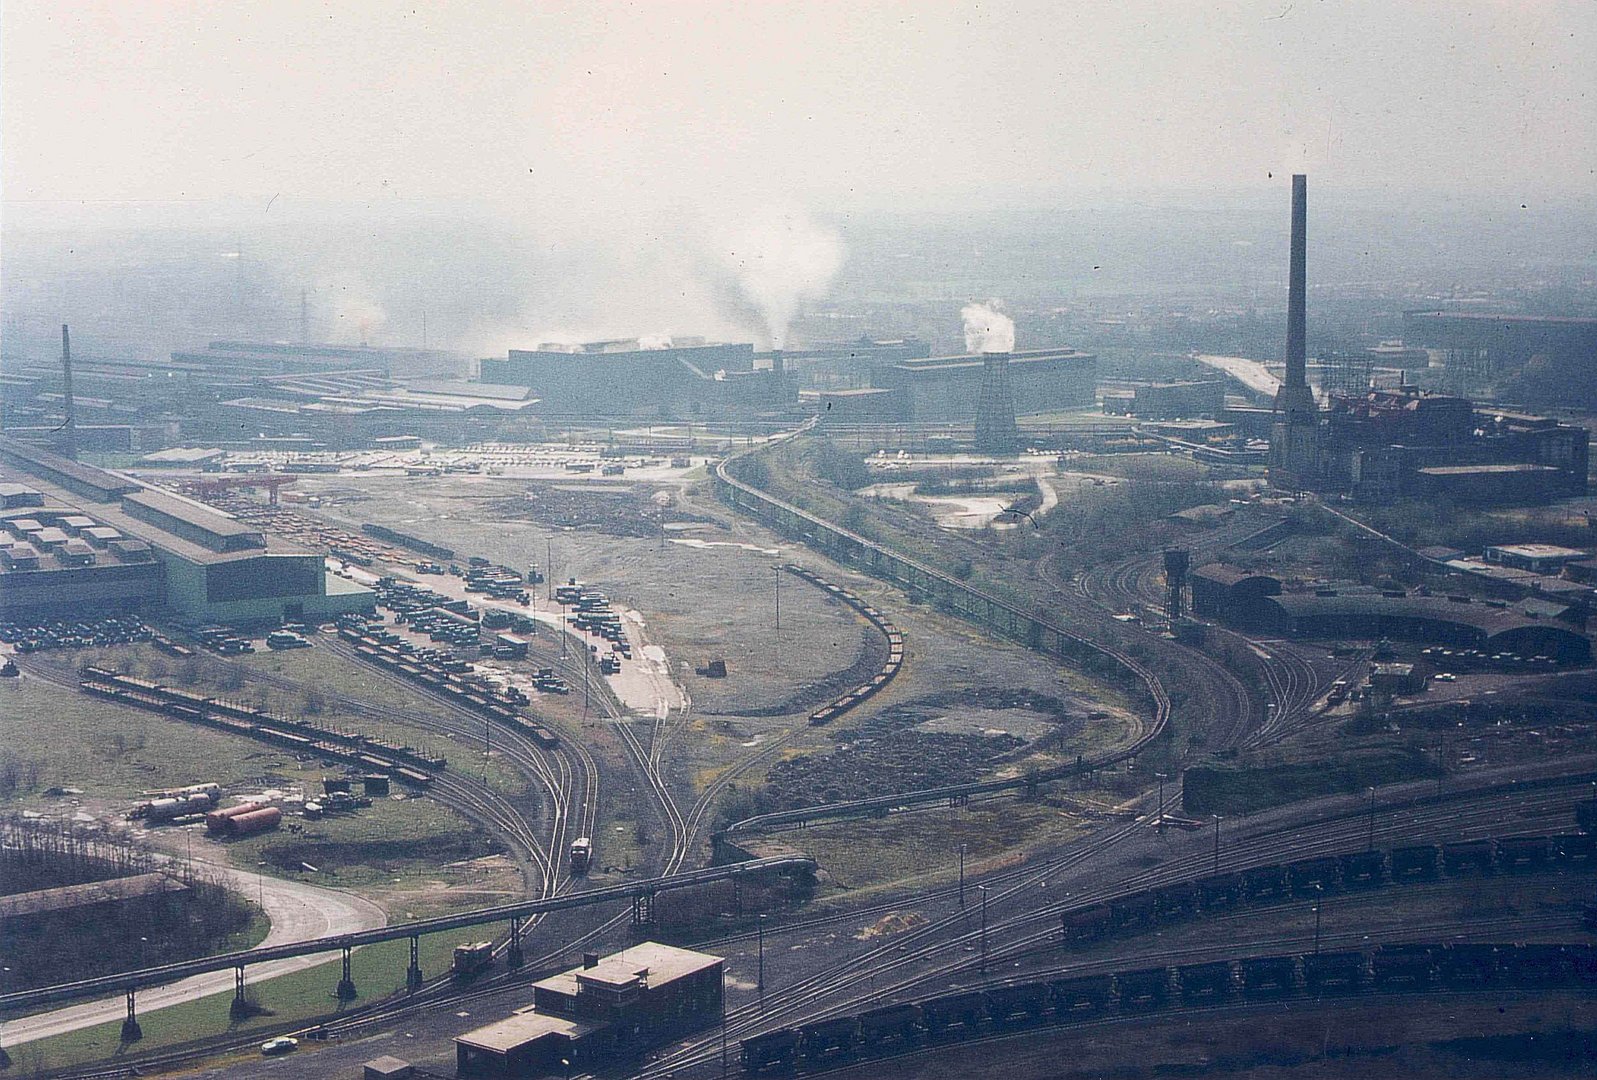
704 167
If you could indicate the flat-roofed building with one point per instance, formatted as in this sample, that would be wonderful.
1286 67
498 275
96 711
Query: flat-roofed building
1515 483
100 535
621 1003
1537 558
945 389
148 548
15 495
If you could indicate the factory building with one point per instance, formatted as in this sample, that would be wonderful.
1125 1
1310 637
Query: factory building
255 358
1232 596
1479 346
1166 400
946 389
682 377
842 365
620 1004
1491 627
130 404
1381 445
98 542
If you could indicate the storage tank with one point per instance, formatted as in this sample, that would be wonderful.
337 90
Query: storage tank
217 820
255 821
162 809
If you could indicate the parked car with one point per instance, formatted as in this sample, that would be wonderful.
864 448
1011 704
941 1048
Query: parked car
283 1044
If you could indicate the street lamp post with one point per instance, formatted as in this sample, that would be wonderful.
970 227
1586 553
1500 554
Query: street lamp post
1319 899
762 961
1370 846
1217 843
1158 819
983 889
961 877
778 572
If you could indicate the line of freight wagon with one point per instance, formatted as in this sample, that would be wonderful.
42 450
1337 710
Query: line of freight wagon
405 764
956 597
1328 875
488 701
974 1014
895 648
414 543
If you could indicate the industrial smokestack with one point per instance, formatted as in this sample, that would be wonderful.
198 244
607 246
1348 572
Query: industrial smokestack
777 362
1295 398
1296 301
69 428
304 318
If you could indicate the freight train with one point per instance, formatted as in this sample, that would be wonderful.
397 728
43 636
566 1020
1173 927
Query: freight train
895 1029
371 755
415 543
895 648
1328 875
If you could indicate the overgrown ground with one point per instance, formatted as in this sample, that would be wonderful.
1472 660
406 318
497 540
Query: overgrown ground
112 753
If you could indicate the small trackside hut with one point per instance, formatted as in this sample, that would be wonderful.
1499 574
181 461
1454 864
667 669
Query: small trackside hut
607 1009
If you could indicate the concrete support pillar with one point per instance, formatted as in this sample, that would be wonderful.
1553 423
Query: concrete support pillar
131 1032
346 984
412 973
513 955
239 1009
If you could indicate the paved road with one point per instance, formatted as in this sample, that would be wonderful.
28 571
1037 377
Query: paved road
298 912
1250 373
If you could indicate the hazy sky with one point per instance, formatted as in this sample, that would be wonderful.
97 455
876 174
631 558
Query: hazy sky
585 111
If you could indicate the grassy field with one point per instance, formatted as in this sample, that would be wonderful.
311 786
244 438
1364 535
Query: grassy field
921 850
112 753
298 999
318 672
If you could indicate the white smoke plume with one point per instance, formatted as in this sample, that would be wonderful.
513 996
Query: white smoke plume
781 257
652 342
987 329
357 314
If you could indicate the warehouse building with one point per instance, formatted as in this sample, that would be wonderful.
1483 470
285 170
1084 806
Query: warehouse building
1537 558
620 1004
1166 400
680 377
945 389
1232 596
1492 627
138 548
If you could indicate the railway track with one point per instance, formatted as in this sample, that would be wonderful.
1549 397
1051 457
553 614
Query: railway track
918 959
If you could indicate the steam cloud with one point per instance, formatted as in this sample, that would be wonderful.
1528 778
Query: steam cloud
781 257
651 342
987 329
357 314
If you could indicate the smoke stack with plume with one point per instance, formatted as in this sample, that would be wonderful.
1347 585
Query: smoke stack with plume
987 329
781 257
